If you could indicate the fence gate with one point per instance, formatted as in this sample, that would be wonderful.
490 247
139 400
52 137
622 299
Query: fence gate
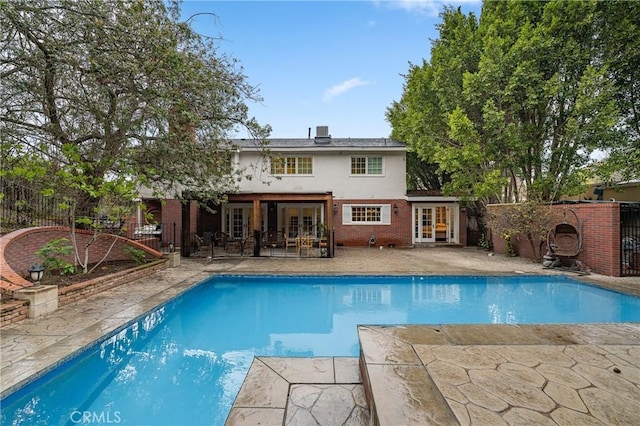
630 239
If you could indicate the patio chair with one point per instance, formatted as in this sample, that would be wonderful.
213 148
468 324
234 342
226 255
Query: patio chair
306 243
202 246
289 242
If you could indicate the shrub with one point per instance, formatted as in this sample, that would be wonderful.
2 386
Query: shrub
51 257
136 254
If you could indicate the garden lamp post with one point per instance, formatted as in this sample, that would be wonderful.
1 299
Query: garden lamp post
35 272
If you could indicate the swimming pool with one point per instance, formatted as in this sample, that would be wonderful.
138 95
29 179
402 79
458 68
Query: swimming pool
184 362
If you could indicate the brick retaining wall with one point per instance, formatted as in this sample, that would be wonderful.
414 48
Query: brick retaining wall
14 311
75 292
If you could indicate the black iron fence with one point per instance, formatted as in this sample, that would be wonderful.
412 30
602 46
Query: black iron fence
23 207
630 239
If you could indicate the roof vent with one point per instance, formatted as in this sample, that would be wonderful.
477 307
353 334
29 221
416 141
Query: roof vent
322 134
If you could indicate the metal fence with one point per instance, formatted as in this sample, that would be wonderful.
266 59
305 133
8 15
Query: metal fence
23 207
630 239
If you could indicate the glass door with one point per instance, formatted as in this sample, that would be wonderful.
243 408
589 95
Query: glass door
424 231
435 223
300 220
239 221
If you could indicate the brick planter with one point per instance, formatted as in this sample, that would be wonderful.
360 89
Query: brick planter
17 310
75 292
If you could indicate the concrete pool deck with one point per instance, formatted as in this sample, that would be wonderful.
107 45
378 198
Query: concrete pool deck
454 367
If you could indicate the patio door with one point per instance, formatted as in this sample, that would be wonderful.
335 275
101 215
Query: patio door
435 223
301 219
239 221
424 225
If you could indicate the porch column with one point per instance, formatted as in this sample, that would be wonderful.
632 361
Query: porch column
328 216
257 227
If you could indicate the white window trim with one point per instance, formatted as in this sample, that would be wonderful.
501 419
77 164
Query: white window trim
385 214
367 166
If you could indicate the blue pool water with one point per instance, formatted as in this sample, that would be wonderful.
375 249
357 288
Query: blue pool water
184 362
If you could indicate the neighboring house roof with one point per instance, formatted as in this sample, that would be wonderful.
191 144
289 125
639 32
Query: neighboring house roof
323 144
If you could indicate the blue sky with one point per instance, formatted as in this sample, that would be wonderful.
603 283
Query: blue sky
331 63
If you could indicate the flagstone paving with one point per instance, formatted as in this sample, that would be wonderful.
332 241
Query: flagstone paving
431 374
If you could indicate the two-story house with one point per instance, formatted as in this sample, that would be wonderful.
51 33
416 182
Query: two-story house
347 191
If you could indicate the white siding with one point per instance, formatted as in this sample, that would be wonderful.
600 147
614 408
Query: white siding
331 173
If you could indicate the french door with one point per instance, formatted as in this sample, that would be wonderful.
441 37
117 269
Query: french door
301 219
424 226
432 223
239 220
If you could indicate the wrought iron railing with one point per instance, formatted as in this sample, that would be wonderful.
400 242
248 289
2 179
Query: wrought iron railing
630 239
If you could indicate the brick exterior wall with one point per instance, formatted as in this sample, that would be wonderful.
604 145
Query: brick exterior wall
601 244
172 213
398 233
358 235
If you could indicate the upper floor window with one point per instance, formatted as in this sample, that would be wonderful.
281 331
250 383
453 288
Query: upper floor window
366 165
291 165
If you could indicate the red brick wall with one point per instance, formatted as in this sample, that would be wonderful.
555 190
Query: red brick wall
18 310
601 243
75 292
358 235
600 237
20 247
14 311
172 213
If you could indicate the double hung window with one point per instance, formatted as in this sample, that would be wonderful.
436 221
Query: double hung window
291 165
366 165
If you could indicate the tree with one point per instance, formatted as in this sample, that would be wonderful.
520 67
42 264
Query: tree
116 95
431 92
422 175
621 51
528 219
512 108
101 98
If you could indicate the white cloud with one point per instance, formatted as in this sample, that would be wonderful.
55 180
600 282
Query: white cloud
345 86
428 7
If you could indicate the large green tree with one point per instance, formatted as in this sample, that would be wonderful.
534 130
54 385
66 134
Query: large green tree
102 97
431 90
620 22
513 107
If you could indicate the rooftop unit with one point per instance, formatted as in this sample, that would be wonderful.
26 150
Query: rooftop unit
322 135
